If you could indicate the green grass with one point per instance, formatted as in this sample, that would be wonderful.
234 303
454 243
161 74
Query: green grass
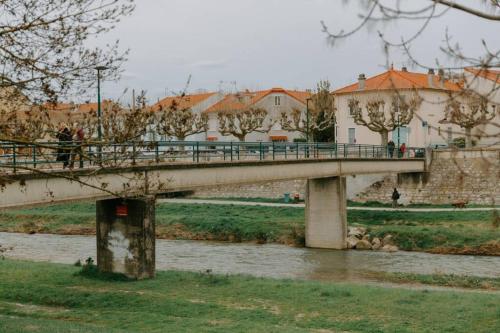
350 203
411 230
445 280
40 297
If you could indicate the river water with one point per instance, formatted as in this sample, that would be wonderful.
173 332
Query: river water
270 260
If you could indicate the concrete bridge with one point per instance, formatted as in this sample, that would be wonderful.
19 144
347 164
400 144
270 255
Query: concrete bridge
126 191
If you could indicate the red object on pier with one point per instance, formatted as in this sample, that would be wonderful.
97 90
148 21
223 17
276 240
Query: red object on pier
122 210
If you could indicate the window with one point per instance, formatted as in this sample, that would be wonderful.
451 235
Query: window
351 110
352 135
277 100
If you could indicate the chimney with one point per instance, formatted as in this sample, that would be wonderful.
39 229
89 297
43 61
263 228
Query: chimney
361 81
441 77
430 78
404 69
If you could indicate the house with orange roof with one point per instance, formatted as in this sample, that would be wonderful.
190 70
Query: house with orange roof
487 83
196 102
428 126
274 101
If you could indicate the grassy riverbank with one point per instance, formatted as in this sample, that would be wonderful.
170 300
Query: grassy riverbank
40 297
443 232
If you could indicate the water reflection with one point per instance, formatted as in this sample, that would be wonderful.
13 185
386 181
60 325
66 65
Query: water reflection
277 261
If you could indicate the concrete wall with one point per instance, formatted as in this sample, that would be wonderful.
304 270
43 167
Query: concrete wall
469 175
277 189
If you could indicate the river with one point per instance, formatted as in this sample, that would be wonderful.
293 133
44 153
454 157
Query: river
269 260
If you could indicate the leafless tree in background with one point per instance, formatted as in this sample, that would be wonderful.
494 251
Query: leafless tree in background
174 121
379 117
322 112
240 123
469 110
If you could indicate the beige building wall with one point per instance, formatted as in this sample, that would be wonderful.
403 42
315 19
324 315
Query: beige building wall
488 134
424 130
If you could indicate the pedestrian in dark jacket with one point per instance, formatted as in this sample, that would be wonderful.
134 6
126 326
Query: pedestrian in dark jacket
78 149
65 139
390 147
395 198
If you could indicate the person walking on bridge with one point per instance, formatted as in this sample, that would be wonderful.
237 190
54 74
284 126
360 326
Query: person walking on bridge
402 150
64 136
395 198
390 148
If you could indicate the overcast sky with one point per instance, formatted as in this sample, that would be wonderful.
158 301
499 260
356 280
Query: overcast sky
259 44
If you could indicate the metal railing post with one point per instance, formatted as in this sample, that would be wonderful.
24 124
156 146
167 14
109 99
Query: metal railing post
34 156
157 151
273 152
345 151
133 152
297 150
238 152
197 151
261 154
14 158
231 147
224 151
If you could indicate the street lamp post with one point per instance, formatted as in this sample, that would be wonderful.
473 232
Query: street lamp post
99 111
307 119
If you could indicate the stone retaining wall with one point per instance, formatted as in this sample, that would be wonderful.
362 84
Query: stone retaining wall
467 175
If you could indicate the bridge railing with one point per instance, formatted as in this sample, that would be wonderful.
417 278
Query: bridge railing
16 156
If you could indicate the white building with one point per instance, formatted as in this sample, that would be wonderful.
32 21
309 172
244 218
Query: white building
429 126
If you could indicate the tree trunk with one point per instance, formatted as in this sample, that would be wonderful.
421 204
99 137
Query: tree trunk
181 138
468 138
384 138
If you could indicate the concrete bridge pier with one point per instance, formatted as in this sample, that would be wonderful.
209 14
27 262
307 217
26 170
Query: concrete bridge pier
326 213
126 237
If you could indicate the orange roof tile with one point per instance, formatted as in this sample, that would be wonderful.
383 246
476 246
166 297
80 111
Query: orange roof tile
241 100
85 107
393 79
489 74
183 102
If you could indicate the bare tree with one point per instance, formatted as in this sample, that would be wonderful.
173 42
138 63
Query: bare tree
43 50
469 110
178 122
240 123
379 117
322 113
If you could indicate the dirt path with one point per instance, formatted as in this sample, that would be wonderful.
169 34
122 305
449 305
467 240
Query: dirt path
301 205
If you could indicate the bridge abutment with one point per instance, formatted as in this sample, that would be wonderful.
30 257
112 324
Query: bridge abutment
326 213
126 237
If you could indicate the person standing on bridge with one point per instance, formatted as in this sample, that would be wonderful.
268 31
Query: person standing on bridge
390 148
63 152
78 150
402 150
395 198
